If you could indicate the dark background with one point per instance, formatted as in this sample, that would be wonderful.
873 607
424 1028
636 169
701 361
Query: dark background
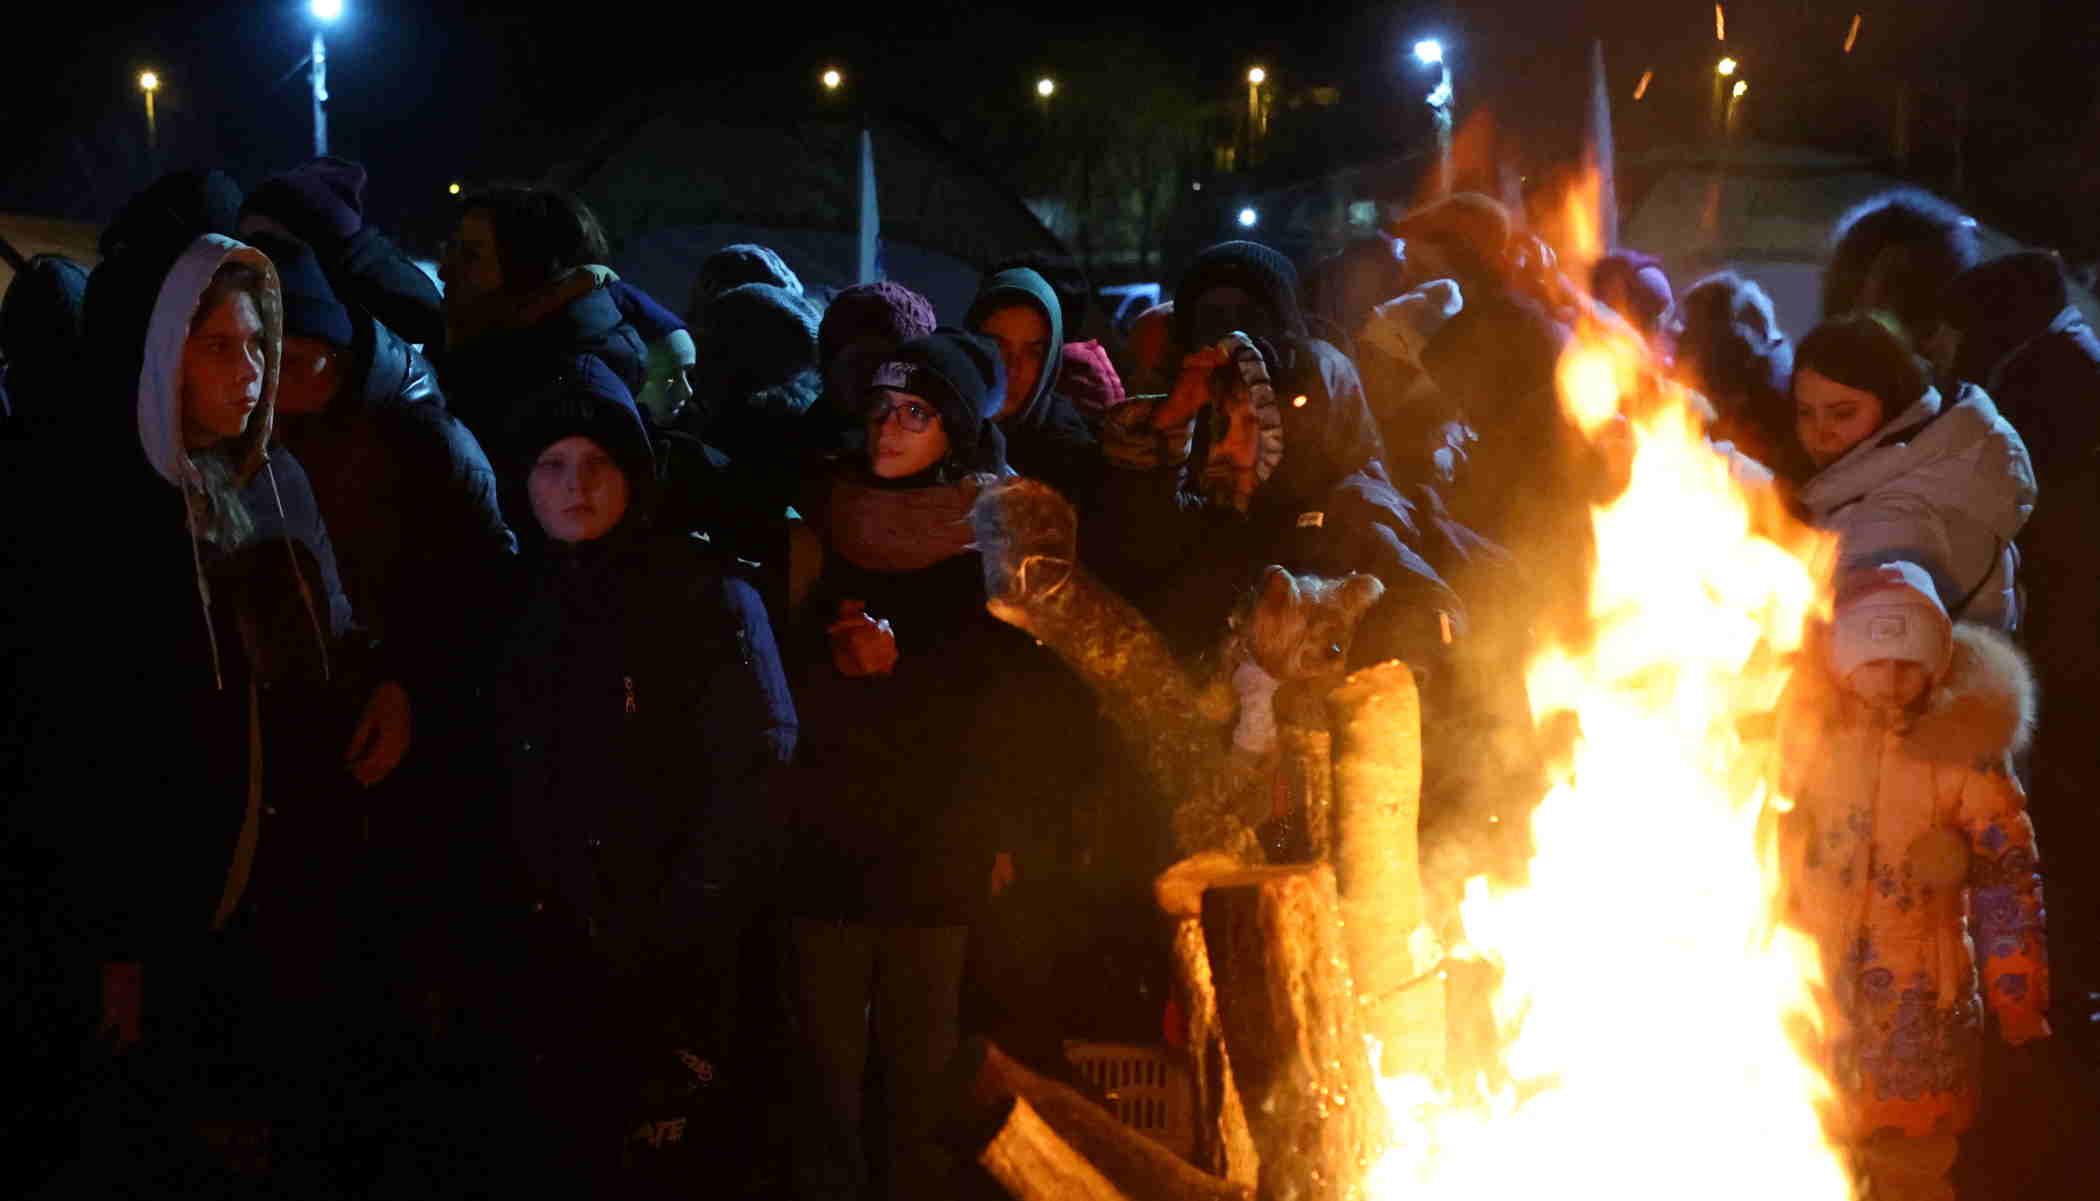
429 93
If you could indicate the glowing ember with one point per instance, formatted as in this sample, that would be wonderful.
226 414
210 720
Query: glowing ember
1648 994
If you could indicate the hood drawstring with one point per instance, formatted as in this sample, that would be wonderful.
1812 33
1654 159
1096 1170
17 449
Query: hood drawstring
305 593
211 632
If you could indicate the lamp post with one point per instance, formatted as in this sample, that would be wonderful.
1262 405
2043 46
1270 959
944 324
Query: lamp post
149 83
832 79
1723 71
1430 53
325 12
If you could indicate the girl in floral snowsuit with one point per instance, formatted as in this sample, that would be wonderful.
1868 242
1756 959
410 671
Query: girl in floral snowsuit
1909 834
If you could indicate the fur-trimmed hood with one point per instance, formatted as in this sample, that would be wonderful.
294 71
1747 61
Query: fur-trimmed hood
1983 707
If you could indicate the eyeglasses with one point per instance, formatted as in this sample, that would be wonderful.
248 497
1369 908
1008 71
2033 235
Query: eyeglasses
915 417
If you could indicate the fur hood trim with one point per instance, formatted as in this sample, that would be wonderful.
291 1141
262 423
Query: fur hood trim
1983 708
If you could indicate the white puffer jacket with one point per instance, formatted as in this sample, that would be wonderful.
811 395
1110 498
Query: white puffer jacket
1947 487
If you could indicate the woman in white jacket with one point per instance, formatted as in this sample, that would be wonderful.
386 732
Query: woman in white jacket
1902 474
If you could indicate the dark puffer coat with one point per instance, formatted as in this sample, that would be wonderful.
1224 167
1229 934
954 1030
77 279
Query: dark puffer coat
641 713
410 500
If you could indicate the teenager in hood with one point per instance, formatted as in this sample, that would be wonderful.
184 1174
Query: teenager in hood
522 298
1905 473
931 733
178 646
1046 437
641 715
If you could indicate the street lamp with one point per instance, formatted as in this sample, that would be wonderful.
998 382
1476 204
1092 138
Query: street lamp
1046 87
1429 52
149 83
1725 67
1257 77
325 12
831 79
1739 89
1248 217
452 189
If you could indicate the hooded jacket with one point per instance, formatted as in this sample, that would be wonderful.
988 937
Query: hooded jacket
1947 487
139 666
1903 826
2025 343
1046 437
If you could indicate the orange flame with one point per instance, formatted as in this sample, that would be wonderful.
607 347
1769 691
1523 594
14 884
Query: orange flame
1651 999
1641 89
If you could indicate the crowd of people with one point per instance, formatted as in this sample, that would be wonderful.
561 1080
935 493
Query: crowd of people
515 734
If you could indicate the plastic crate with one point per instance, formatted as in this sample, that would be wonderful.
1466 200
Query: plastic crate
1148 1089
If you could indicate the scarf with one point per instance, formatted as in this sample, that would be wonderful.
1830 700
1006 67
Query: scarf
900 529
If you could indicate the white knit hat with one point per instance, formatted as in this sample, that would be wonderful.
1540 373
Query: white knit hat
1890 612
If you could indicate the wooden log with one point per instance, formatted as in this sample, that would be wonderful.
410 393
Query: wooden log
1141 1168
1224 1145
1032 1163
1376 717
1308 755
1027 536
1292 1027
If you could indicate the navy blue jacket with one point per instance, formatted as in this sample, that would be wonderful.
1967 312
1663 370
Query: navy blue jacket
641 714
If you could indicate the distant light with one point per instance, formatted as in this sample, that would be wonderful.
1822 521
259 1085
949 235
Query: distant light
326 10
832 79
149 82
1641 89
1257 77
1852 34
1726 66
1738 90
1197 186
1429 52
1720 24
1248 217
453 189
1046 87
1298 402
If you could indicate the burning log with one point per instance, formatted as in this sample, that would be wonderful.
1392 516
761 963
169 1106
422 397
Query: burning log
1392 954
1032 1163
1132 1163
1224 1145
1289 1011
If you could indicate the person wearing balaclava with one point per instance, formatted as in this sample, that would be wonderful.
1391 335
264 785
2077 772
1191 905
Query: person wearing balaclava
1046 437
641 718
931 732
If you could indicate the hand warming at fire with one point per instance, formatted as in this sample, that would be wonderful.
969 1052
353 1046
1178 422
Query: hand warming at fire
861 646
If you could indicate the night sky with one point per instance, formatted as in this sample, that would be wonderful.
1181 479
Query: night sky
427 92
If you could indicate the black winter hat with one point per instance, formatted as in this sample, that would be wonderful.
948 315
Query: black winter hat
1999 304
173 211
310 306
1250 266
963 377
584 398
321 201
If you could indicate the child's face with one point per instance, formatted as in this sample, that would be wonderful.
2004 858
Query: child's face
1889 683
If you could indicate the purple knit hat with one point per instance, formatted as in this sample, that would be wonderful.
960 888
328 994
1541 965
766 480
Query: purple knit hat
887 310
322 201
